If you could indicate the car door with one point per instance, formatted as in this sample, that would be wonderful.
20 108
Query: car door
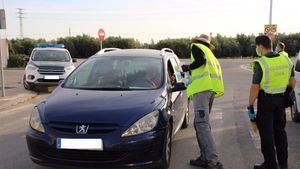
177 98
297 77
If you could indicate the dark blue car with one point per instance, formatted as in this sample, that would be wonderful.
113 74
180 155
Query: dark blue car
117 109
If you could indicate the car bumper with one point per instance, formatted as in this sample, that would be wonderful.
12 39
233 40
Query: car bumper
133 152
37 79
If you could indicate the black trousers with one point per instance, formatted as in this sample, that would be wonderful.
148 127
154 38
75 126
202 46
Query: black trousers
271 121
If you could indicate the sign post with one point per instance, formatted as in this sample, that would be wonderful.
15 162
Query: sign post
2 26
101 35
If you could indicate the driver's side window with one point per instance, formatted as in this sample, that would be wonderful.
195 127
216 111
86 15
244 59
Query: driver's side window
171 77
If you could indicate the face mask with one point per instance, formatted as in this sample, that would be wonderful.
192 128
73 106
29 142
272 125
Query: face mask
258 52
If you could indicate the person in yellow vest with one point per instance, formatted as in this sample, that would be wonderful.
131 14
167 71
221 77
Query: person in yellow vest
206 84
280 49
272 73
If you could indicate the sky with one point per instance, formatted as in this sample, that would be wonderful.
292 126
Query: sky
148 19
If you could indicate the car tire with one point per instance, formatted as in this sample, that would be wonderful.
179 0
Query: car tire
295 115
26 85
167 150
186 120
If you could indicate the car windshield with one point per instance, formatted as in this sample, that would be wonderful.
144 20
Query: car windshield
117 73
51 55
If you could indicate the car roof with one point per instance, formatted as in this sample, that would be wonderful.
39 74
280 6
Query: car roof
152 53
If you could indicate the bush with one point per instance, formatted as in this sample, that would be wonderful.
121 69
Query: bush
16 60
181 47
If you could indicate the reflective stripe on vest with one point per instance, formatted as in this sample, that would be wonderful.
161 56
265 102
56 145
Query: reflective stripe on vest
206 74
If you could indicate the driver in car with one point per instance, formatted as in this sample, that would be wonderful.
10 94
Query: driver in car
153 76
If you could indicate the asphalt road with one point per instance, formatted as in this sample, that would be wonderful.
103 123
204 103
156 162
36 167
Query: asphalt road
238 147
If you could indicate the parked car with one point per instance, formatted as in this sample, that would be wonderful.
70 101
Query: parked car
117 109
295 114
47 65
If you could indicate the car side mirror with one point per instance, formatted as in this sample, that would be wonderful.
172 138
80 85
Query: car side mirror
74 60
178 87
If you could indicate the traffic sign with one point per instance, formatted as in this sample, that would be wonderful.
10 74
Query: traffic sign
101 34
271 29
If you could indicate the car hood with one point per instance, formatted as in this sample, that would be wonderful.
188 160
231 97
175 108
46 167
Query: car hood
51 64
89 106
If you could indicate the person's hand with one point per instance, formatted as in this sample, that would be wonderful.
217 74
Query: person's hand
185 68
251 113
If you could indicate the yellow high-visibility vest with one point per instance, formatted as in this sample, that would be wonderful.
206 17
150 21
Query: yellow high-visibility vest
283 53
276 73
207 77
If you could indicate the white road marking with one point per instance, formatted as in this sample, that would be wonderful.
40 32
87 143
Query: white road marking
246 67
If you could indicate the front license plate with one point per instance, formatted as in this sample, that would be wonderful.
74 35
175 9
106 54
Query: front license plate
79 144
51 77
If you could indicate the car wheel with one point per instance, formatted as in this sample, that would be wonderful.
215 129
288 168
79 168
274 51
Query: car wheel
186 120
26 85
167 150
295 115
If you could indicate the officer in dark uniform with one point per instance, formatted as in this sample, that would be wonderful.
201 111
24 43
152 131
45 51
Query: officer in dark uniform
272 74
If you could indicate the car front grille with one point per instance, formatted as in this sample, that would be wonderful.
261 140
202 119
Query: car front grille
51 70
48 80
94 128
82 155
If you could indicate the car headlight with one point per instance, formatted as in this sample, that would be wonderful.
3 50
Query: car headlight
35 121
31 67
145 124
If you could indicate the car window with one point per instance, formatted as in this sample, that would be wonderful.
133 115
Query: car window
123 73
51 55
171 74
177 69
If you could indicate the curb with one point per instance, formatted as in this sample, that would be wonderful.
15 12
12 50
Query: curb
11 101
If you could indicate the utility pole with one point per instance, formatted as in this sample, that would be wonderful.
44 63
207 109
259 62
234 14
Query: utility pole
20 16
69 31
271 12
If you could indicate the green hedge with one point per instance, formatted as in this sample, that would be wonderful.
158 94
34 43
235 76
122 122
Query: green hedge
16 60
85 46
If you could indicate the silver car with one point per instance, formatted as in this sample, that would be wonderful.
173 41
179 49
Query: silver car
47 66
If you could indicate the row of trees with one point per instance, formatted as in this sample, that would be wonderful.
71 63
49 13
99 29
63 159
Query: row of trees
85 46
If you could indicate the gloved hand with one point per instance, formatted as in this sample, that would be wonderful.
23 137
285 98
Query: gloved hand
185 68
251 113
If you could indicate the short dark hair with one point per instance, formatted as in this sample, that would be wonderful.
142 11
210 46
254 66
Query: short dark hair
263 40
